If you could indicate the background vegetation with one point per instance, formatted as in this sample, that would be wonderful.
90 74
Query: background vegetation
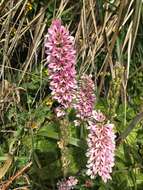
109 44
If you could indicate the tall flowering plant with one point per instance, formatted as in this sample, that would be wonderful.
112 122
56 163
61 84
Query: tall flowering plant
61 58
101 138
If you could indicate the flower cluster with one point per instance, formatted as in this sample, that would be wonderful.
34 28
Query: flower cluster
101 147
61 60
67 184
85 98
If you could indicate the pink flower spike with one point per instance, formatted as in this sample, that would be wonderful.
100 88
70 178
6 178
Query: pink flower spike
85 98
101 147
60 112
61 61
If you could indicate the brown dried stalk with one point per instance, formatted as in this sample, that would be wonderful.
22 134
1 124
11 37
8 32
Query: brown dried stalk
18 174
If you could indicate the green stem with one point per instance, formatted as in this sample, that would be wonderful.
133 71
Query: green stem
63 143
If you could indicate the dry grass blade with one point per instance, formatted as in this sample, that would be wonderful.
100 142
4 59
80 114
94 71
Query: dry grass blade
14 40
11 42
92 5
129 12
2 1
11 9
40 27
6 165
61 7
30 24
127 36
6 43
110 49
136 20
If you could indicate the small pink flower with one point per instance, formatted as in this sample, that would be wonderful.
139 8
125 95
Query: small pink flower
72 181
60 111
101 148
67 184
61 61
98 116
76 122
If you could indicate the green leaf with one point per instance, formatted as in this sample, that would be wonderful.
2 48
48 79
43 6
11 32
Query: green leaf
49 132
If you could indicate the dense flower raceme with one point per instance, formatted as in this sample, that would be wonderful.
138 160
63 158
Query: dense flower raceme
85 98
61 60
67 184
101 147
